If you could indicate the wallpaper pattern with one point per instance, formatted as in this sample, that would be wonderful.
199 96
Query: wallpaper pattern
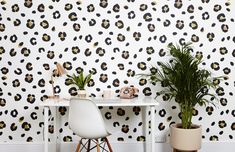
114 40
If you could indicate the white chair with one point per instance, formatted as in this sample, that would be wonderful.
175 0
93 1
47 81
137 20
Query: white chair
86 121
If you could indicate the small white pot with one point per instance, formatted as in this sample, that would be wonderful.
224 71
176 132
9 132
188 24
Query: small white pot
81 93
185 139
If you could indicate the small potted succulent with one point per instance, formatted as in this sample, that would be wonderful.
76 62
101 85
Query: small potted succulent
183 81
80 81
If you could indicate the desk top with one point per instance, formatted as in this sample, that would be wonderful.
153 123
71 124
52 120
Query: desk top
146 101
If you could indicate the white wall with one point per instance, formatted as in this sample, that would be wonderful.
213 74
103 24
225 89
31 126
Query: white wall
28 57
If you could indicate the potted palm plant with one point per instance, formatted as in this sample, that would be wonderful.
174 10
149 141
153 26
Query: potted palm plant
184 81
80 81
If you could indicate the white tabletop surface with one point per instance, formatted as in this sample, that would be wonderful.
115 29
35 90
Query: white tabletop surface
145 101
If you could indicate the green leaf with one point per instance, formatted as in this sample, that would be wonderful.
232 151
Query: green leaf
79 80
184 81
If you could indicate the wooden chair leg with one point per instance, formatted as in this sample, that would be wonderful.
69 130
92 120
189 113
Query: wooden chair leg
109 146
78 146
97 145
89 144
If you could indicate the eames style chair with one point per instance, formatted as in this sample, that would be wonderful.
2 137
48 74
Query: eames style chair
86 121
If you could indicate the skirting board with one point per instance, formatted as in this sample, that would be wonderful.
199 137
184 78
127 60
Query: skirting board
117 147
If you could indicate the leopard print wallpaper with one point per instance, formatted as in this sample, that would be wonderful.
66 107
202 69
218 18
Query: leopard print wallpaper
115 40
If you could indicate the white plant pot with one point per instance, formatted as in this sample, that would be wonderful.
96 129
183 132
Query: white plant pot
185 139
81 93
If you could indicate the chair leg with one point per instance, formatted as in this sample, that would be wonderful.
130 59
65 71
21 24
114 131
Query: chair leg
78 146
89 144
109 146
97 145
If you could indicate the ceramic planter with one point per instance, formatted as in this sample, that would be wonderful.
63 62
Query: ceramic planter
185 139
81 93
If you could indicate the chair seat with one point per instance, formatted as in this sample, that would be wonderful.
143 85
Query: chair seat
97 136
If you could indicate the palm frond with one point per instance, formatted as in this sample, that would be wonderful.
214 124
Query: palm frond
183 80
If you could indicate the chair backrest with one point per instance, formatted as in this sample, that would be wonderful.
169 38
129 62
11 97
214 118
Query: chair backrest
85 119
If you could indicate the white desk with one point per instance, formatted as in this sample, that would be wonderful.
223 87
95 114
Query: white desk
144 102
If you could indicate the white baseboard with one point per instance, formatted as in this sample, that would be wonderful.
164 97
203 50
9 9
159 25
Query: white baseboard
117 147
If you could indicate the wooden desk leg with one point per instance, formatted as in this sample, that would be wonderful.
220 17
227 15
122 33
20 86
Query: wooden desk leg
46 113
152 128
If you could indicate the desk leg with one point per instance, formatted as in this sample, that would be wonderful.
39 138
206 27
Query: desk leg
152 128
146 128
46 113
55 130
